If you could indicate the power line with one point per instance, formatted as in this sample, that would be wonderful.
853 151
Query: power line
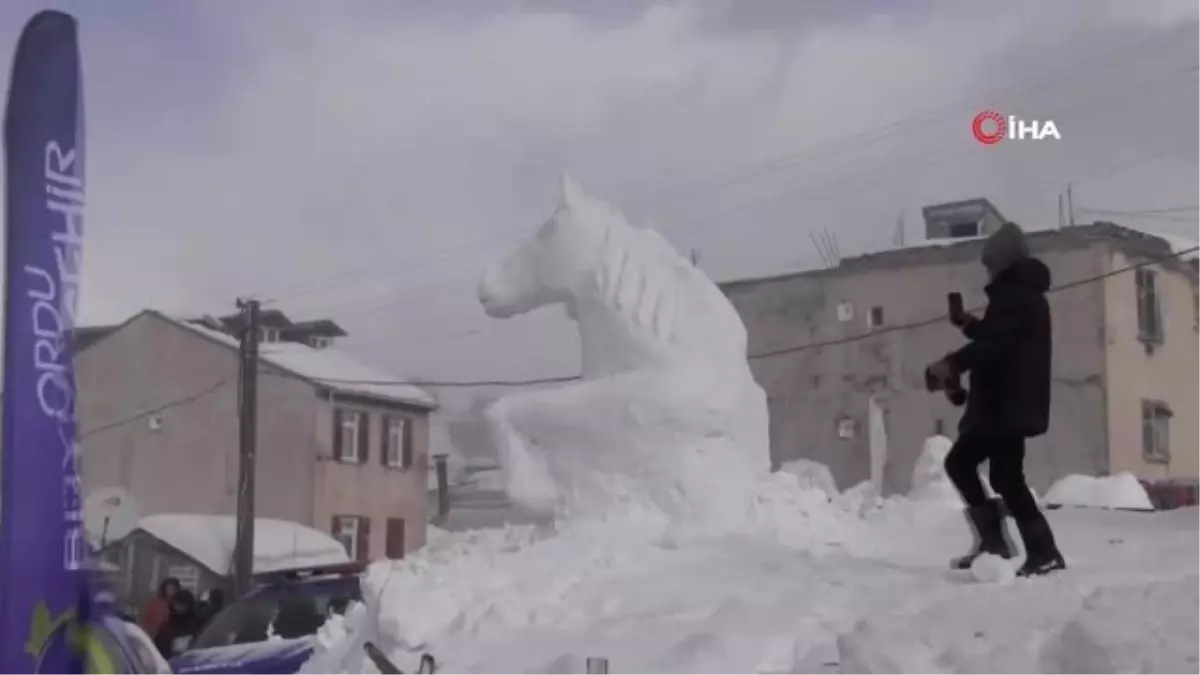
1173 215
943 317
186 400
767 354
190 398
1125 163
447 384
708 224
1099 172
901 126
909 163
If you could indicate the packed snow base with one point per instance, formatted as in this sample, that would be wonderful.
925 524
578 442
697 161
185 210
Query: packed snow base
823 582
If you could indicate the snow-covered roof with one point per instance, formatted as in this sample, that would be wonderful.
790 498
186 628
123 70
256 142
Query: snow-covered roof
278 544
328 367
1178 244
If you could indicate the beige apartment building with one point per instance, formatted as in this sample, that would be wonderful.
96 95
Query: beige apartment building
1124 390
338 449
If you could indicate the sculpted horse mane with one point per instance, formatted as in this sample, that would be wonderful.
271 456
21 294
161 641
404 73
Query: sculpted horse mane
643 280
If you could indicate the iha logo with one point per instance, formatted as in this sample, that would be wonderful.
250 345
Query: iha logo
990 127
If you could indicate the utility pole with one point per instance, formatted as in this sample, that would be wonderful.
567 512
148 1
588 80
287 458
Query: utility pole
695 258
1070 207
243 552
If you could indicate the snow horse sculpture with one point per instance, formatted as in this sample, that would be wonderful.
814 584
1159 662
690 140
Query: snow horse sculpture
666 413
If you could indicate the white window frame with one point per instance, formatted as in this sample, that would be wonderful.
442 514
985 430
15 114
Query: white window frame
351 421
396 436
349 527
1149 306
1156 431
845 312
847 428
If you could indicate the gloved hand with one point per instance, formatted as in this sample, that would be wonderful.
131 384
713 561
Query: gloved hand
962 320
938 374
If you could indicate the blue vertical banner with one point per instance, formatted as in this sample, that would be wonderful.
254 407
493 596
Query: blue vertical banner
44 602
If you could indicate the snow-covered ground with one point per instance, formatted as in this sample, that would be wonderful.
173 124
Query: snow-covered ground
671 551
846 583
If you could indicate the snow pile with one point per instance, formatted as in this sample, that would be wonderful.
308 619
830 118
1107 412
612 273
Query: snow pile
667 417
1122 491
989 568
929 479
812 476
1040 626
821 582
278 544
1107 635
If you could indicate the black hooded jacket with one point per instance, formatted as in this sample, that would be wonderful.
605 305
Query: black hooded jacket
1008 356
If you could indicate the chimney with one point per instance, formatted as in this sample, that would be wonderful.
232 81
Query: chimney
443 487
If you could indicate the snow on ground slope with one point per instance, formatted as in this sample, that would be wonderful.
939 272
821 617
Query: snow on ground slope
838 592
505 603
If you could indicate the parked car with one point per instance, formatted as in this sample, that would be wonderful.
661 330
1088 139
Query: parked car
272 629
132 649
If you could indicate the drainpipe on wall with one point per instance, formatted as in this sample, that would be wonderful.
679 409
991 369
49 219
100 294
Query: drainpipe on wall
443 487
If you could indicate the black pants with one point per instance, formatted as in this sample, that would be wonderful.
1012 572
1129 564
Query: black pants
1006 472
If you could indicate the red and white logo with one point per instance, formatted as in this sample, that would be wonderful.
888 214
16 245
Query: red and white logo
990 127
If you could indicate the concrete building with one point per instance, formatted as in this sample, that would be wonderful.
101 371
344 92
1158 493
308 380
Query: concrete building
1125 352
338 449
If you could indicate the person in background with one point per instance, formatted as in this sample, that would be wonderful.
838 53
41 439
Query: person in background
156 611
176 635
212 603
1008 358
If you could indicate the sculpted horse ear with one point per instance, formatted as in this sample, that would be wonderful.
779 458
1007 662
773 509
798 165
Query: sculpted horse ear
572 194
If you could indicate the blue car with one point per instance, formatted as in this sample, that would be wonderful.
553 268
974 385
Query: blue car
272 629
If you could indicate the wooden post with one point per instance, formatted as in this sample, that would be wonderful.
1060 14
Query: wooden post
443 487
243 551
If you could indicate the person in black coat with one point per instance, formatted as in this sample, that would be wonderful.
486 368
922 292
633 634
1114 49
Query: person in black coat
1008 358
210 606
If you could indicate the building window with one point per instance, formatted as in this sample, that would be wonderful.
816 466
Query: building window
845 312
269 335
395 538
875 318
1149 307
350 435
353 532
846 428
1156 426
319 341
966 228
397 442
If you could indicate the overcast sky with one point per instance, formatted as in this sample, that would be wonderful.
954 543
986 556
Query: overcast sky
364 160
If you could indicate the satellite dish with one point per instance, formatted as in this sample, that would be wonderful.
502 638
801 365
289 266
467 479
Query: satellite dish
108 515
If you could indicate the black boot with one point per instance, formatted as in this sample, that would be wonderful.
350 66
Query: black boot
1041 553
987 524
